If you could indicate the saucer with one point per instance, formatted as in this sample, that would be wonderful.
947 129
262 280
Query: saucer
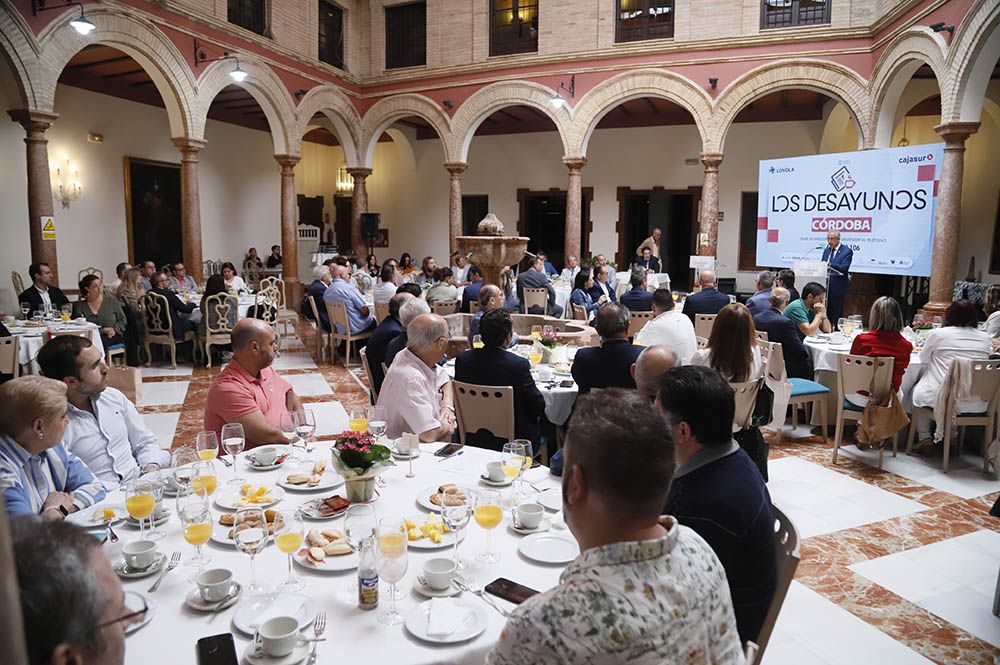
162 519
421 587
415 453
123 571
544 525
199 604
297 655
486 480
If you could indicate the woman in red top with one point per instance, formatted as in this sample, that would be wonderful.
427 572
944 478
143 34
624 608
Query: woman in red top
883 339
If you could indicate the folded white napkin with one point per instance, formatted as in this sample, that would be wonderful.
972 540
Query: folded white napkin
445 616
283 606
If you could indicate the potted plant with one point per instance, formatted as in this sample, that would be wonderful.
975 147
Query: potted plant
359 460
553 350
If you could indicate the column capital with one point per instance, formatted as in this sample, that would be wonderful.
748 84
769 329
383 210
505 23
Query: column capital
287 161
359 172
32 120
456 168
711 160
574 163
186 145
955 133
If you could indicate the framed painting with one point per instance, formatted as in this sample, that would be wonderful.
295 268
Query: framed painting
381 238
153 211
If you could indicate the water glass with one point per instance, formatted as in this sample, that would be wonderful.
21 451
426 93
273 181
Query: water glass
140 502
288 536
251 540
391 561
488 514
25 310
181 465
156 478
305 426
457 518
233 442
196 520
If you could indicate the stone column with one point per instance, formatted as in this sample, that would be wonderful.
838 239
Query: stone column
289 228
708 223
455 171
574 206
948 215
39 184
359 204
190 207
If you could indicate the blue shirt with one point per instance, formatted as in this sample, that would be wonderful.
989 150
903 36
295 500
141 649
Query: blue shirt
26 480
345 292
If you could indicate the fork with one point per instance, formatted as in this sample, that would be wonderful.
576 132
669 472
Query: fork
319 625
223 459
175 559
470 585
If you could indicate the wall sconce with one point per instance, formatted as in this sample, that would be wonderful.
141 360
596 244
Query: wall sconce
558 100
81 23
345 183
713 82
943 27
448 104
66 181
200 58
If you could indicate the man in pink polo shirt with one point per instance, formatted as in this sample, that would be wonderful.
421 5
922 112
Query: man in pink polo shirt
248 391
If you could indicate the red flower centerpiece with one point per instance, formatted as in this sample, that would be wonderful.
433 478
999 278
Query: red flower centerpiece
359 460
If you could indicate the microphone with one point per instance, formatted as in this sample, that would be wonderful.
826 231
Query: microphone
803 257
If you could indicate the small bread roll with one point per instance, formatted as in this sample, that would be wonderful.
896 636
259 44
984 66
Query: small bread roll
270 514
316 539
338 549
448 488
454 499
314 480
436 499
317 554
319 467
333 535
298 478
227 519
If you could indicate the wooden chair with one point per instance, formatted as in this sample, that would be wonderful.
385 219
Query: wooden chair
445 307
535 296
160 329
701 341
761 335
474 306
985 386
804 391
15 278
484 407
114 351
580 312
637 320
372 393
746 398
285 315
265 305
864 374
72 333
381 311
9 350
268 282
322 338
251 274
786 548
90 270
703 324
218 309
337 312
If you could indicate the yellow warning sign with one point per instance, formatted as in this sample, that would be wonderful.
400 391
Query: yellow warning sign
48 228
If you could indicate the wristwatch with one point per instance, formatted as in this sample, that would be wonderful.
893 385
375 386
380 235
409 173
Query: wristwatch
62 509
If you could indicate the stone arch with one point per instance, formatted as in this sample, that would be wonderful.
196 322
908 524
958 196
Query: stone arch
262 84
495 96
823 76
974 52
390 109
138 38
19 49
335 105
895 68
660 83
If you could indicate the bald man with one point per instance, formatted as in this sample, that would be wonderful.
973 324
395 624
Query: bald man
248 391
708 300
652 363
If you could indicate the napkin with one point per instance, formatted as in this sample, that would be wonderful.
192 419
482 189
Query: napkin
445 616
283 606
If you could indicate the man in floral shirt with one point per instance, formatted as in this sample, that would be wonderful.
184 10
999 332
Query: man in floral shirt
643 590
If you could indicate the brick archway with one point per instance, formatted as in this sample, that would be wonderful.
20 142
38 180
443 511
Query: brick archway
19 50
389 110
974 52
335 105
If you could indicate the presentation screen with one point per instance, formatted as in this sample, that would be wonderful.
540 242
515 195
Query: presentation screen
881 201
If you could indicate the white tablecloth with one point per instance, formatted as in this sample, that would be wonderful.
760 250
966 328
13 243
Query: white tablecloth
245 302
654 280
31 340
352 635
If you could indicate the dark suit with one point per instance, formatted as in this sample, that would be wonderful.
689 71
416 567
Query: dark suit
638 300
470 293
783 330
706 301
652 264
839 284
396 345
378 345
497 367
176 307
316 291
596 292
31 296
606 366
538 280
759 302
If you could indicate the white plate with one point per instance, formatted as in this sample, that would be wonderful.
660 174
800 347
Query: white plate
229 498
447 540
486 480
331 564
220 535
297 655
85 517
549 547
551 499
159 521
416 623
122 570
199 604
420 586
134 602
543 526
424 499
404 456
247 616
329 481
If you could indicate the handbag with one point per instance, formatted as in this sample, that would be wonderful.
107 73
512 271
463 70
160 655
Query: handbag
763 407
753 444
881 421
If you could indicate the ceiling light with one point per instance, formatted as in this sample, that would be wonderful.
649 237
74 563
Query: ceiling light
82 24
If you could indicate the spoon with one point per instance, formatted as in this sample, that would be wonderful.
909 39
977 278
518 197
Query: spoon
112 536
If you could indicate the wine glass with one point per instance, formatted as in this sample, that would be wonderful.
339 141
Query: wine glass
305 426
536 332
207 445
65 312
377 421
359 523
204 479
391 562
196 518
233 442
535 356
251 537
488 514
181 463
517 458
842 325
457 518
477 342
288 423
25 310
358 420
156 479
288 537
139 502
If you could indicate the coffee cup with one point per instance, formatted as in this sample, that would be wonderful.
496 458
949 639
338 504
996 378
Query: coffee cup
170 483
494 471
265 456
545 374
530 515
403 445
159 510
279 636
139 554
438 573
214 584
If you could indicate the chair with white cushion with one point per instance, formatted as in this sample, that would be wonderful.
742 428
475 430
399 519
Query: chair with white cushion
703 324
15 278
90 270
860 375
216 317
160 329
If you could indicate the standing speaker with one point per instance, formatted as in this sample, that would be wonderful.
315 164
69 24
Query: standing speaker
369 224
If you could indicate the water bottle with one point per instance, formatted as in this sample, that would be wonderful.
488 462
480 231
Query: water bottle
367 576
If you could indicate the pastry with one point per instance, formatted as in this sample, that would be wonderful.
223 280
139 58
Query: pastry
319 467
314 480
270 514
227 519
316 539
337 549
317 554
298 478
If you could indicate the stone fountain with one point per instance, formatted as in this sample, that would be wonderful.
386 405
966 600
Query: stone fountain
490 249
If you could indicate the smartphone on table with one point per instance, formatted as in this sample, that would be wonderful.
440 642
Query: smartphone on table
510 591
448 449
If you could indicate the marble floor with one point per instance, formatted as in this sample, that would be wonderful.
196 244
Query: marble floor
898 565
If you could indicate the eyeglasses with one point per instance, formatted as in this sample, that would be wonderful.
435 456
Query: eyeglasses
127 618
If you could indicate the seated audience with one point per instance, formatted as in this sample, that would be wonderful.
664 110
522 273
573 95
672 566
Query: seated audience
38 476
670 327
386 287
359 317
72 602
610 364
601 261
531 274
644 589
706 301
425 278
180 280
637 298
652 363
146 279
582 287
177 309
42 293
101 310
647 262
406 264
885 321
412 289
781 329
119 275
460 270
604 284
786 280
958 338
444 288
471 291
104 429
234 283
809 311
212 317
416 390
372 266
274 260
572 268
493 366
732 347
378 344
718 492
128 293
397 276
248 390
408 310
252 257
317 290
992 311
490 297
758 302
547 266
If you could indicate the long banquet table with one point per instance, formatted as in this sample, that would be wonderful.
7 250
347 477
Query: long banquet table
352 635
32 339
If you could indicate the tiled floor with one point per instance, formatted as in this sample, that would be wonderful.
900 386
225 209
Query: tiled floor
897 566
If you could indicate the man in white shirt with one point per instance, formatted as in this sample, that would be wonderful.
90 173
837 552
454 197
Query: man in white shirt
104 428
669 326
148 269
571 269
119 276
386 287
417 390
460 271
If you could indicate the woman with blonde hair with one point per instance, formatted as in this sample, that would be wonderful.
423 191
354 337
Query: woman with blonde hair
732 347
885 321
32 422
129 290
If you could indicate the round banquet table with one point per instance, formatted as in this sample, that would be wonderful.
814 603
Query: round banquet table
352 635
246 300
31 339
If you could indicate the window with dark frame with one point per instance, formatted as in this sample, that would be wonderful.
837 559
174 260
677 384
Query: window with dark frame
748 232
406 35
331 34
638 20
513 26
248 14
788 13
